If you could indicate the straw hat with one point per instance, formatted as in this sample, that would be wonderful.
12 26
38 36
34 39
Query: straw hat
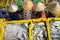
39 7
27 5
54 7
13 8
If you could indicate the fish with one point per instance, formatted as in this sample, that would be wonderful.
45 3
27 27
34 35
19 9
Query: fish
16 31
39 30
55 30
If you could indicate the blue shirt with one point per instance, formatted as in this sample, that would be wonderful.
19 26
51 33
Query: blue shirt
2 14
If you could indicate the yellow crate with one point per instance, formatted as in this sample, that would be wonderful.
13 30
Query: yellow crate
30 27
38 21
46 2
12 2
30 31
14 22
57 14
48 25
0 26
1 20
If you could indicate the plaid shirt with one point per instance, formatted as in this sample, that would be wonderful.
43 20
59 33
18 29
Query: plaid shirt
27 14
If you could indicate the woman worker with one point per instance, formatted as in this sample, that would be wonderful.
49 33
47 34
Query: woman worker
27 9
53 9
14 13
39 10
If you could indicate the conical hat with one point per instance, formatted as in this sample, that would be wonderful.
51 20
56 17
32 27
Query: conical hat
27 5
54 7
13 8
39 7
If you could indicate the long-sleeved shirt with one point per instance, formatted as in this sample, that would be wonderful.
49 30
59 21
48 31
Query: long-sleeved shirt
2 13
27 14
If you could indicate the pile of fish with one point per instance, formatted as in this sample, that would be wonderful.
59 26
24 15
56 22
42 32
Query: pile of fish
39 31
55 30
16 31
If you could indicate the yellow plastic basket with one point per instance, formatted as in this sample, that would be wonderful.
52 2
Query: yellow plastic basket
49 22
14 22
40 20
30 23
0 27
